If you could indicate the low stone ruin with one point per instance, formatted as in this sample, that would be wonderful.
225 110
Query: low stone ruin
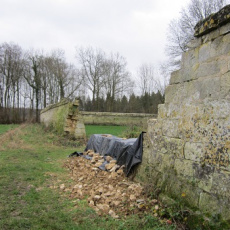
65 118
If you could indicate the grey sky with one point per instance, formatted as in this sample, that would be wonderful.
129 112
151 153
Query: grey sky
134 28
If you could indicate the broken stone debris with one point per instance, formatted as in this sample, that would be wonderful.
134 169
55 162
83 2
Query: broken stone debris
108 192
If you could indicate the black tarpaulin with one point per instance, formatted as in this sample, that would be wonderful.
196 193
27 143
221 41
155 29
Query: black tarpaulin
127 152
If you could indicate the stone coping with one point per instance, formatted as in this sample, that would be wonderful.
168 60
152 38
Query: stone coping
49 107
212 22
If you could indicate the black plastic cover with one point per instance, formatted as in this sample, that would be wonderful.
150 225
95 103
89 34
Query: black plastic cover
127 152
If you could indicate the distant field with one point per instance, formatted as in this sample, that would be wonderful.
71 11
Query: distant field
120 131
4 128
103 129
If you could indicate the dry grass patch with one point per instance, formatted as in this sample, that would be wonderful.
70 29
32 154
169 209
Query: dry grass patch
12 139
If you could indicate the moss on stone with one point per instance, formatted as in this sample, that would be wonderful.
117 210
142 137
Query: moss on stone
60 118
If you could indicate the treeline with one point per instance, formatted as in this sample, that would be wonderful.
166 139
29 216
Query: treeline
30 80
147 103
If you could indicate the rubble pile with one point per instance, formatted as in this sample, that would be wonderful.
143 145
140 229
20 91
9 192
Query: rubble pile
107 192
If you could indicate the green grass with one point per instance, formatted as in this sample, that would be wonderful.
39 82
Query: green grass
31 163
104 129
4 128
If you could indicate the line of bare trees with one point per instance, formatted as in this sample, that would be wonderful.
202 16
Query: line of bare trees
31 80
105 76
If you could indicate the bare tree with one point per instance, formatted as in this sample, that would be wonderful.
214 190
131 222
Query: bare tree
116 78
92 61
11 70
62 79
150 80
33 77
181 30
146 78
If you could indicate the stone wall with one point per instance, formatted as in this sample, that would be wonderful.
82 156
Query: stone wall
187 149
65 118
106 118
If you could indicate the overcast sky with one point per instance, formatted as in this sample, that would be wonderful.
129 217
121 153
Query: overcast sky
134 28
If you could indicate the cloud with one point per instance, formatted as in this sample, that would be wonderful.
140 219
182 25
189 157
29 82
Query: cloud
136 29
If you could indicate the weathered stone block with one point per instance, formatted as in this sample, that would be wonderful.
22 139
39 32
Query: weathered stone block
216 46
79 129
221 184
194 43
211 36
207 69
209 203
203 176
185 192
189 59
176 147
225 29
204 52
171 111
187 127
212 205
170 146
220 46
190 73
209 88
225 85
162 162
219 109
154 129
170 128
194 151
206 184
184 168
162 111
174 93
191 91
176 77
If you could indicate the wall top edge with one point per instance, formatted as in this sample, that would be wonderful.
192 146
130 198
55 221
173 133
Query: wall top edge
212 22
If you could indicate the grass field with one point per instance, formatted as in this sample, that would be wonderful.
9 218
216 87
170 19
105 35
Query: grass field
31 171
102 129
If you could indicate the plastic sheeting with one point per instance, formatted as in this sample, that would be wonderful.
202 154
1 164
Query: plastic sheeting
127 152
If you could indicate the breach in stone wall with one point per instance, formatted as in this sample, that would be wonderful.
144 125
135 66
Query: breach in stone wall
65 118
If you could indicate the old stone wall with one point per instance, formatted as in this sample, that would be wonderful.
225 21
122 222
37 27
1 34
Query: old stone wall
64 117
106 118
187 149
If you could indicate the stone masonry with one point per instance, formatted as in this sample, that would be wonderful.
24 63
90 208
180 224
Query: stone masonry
187 148
108 118
65 118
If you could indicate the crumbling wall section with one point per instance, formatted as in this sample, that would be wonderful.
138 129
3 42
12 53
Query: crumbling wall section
108 118
187 149
65 118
